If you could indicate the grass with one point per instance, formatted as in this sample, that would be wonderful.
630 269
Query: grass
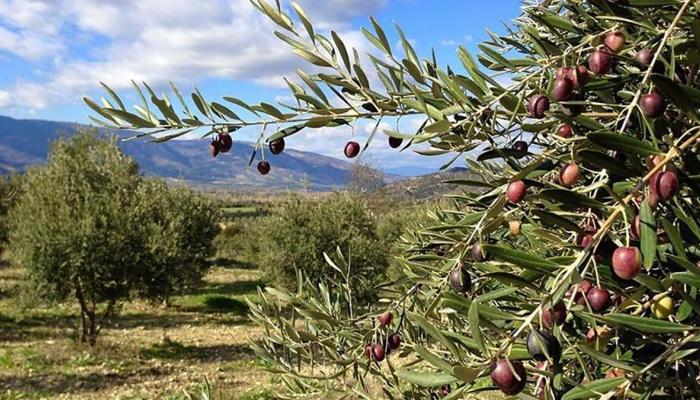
240 212
148 352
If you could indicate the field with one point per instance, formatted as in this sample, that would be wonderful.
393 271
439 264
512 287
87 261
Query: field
147 352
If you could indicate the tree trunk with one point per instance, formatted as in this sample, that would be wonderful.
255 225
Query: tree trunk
87 316
166 298
92 326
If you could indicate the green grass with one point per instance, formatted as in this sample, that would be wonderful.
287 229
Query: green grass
240 212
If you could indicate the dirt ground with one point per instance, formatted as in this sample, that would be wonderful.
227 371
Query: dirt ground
148 352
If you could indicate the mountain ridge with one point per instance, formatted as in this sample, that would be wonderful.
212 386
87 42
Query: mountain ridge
25 142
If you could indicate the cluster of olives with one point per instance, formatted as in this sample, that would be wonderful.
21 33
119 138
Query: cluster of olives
662 186
569 80
276 147
223 143
567 86
379 351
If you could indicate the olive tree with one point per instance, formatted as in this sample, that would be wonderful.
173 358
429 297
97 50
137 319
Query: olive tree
76 227
572 273
300 236
87 226
180 229
8 193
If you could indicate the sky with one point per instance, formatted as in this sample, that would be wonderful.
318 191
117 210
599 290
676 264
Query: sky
53 52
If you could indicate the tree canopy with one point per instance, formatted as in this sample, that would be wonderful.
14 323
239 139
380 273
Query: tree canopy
86 226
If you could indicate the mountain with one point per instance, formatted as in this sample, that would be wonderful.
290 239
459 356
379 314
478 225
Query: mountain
27 142
431 186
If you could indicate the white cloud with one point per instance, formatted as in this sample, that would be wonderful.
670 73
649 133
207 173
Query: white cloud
4 98
119 40
454 43
449 43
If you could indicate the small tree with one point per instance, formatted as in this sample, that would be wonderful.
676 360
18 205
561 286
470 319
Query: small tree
580 258
180 227
301 231
77 227
364 178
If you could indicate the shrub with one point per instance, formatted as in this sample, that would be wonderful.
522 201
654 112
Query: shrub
300 232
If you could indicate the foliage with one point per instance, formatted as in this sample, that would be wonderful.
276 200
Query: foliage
8 194
553 209
394 225
77 227
179 230
239 241
299 234
365 178
87 225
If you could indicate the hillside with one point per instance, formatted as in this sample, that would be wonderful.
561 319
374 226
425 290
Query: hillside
429 186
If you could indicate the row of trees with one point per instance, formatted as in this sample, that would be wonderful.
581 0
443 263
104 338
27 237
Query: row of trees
87 226
296 236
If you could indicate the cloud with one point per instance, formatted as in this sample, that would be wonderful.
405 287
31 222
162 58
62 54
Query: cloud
454 43
33 46
82 42
4 99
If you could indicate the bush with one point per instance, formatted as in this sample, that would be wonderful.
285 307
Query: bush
301 231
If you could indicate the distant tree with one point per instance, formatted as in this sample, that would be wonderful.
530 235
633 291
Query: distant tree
180 226
87 226
365 178
298 235
8 194
77 227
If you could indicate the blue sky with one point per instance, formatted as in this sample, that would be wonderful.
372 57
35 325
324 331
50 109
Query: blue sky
52 52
